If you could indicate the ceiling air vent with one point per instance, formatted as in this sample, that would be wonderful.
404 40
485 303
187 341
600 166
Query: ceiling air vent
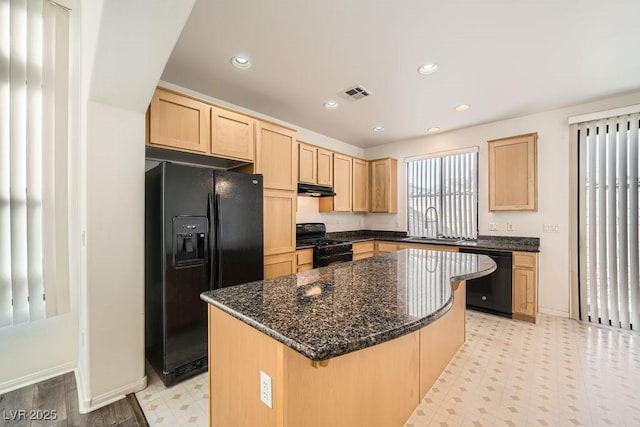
354 93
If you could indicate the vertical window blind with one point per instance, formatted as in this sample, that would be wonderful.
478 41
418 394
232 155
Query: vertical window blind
442 196
608 220
34 70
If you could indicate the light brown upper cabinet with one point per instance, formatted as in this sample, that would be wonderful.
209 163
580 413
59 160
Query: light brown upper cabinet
384 185
360 185
179 122
342 182
277 156
325 167
307 163
232 135
342 186
513 177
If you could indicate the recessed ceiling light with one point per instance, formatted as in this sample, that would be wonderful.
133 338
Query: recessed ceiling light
331 105
427 68
240 61
378 128
463 107
433 129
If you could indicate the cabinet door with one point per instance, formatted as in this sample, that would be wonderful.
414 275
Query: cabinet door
232 135
325 167
279 221
524 288
512 174
385 247
179 122
342 182
360 185
307 163
384 185
304 260
363 250
279 265
277 160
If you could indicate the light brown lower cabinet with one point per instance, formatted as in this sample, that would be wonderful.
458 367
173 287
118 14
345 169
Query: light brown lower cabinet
304 260
385 247
525 286
363 250
279 265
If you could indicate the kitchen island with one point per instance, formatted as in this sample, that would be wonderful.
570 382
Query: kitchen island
357 343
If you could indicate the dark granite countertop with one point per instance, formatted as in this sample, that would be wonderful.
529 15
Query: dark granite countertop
498 243
330 311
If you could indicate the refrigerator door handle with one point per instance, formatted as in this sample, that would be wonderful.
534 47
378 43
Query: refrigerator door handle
219 240
212 234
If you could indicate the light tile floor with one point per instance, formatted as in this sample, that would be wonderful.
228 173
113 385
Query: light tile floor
559 372
184 404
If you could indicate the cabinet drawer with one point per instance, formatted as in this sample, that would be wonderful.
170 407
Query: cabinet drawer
523 259
386 247
359 248
305 256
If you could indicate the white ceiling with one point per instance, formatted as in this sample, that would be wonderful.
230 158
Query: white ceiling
507 58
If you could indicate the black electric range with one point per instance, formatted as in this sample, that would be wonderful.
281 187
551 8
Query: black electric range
325 251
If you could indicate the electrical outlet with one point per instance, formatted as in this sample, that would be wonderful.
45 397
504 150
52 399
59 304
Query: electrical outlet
509 226
494 226
265 389
550 228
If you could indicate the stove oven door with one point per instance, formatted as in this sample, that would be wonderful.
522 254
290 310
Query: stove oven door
326 260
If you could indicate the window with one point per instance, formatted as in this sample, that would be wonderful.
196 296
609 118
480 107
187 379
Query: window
442 196
34 52
609 189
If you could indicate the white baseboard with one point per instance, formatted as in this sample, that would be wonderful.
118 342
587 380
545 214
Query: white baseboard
558 313
88 405
36 377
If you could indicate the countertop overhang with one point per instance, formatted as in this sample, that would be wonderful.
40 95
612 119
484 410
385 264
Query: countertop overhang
331 311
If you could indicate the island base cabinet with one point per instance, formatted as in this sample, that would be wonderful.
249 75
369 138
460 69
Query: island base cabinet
377 386
438 348
237 354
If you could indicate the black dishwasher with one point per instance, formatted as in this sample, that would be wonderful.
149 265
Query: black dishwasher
491 293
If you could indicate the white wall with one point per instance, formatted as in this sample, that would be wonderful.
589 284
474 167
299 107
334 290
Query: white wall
114 329
553 188
127 46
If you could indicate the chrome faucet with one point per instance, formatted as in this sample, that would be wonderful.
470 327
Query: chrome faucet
426 223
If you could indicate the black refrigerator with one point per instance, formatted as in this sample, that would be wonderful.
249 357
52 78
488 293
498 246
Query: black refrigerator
203 230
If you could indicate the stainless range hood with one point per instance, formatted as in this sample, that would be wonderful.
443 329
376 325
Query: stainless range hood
312 190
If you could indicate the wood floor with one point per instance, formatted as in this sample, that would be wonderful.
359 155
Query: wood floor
57 400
